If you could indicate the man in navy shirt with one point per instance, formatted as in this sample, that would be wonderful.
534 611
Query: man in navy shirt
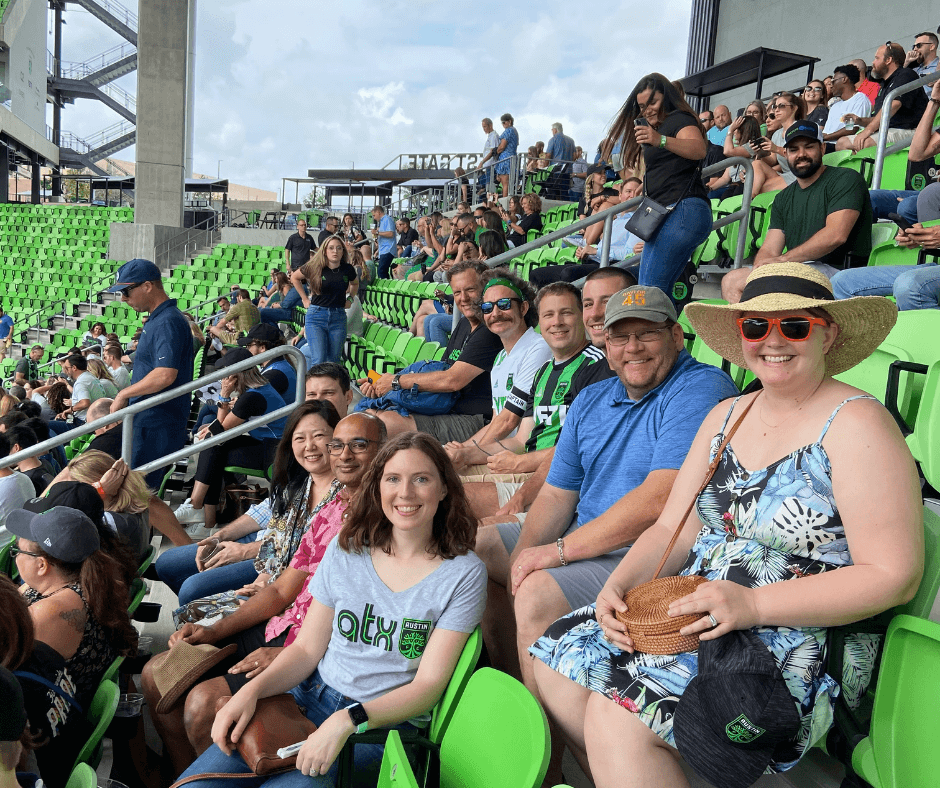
6 333
164 360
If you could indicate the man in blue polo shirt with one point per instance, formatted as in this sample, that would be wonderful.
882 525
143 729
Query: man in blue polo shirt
164 360
384 232
627 433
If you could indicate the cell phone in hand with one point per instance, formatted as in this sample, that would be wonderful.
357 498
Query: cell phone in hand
900 221
641 122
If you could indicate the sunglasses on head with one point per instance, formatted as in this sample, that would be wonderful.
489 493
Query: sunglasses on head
795 328
504 305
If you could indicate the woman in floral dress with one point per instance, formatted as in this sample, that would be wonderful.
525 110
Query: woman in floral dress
817 478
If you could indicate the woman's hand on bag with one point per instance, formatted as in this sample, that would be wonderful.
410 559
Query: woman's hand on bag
732 606
253 588
256 661
232 719
609 603
229 553
324 744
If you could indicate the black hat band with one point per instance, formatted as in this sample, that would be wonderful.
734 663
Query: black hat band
786 285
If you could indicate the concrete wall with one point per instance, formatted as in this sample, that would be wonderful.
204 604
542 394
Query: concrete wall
834 32
253 237
129 241
163 73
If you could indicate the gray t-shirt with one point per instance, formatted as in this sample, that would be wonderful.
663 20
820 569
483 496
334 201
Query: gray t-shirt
378 635
15 490
122 378
86 386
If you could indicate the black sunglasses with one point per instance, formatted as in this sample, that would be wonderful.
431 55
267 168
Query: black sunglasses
126 291
504 304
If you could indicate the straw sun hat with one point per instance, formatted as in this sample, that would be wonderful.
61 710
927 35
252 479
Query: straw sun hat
863 322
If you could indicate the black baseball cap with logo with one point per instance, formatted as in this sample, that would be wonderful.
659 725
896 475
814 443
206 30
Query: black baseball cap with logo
803 128
735 712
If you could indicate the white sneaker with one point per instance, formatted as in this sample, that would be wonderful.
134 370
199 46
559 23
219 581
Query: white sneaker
187 514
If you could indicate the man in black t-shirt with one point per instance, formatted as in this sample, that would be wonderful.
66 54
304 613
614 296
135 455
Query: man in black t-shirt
471 351
906 110
406 236
299 248
332 227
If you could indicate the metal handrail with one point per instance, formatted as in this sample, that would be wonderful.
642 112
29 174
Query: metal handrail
126 415
608 214
917 84
185 239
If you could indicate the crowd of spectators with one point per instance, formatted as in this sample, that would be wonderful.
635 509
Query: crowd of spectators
577 427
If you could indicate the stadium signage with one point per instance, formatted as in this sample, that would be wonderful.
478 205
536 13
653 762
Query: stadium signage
439 161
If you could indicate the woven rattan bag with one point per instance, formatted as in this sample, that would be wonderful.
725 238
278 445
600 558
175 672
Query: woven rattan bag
647 623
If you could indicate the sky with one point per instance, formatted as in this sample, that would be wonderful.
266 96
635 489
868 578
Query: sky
287 85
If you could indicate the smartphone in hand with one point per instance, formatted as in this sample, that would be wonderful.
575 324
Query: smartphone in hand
900 221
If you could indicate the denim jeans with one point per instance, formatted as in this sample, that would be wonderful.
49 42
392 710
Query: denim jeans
283 313
325 330
319 701
885 201
665 257
385 260
437 328
177 568
914 286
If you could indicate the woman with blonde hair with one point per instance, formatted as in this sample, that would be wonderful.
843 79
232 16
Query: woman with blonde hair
97 368
332 281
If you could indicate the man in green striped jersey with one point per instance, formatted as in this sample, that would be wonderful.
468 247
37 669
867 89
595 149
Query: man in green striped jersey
539 417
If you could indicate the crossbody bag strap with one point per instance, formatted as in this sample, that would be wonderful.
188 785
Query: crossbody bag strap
24 674
712 467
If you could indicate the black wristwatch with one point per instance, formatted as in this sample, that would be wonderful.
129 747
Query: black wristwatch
396 382
359 717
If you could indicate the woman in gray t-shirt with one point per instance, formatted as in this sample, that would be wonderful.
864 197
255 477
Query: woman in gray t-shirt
395 598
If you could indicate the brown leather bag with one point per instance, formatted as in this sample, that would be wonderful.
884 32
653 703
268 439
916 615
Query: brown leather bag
277 722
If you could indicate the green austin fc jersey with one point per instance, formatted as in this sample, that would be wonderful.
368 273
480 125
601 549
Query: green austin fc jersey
554 389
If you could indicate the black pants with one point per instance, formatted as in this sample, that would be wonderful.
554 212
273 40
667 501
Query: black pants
241 450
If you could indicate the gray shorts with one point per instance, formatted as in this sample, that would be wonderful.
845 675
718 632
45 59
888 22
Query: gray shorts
450 426
580 581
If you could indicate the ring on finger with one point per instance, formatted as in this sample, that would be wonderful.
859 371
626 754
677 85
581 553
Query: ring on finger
713 620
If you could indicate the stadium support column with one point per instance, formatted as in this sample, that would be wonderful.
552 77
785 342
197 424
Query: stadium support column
35 181
163 74
4 173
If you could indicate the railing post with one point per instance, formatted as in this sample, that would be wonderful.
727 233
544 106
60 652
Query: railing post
127 438
605 240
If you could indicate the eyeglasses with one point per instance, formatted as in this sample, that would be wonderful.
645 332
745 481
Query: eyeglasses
812 90
645 337
796 328
15 551
922 44
504 305
126 291
356 446
780 105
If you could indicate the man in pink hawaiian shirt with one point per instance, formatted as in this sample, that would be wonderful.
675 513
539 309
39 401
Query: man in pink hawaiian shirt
270 620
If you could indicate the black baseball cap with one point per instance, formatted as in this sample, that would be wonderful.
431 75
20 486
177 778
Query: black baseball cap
735 712
62 532
233 357
74 495
12 710
263 332
803 128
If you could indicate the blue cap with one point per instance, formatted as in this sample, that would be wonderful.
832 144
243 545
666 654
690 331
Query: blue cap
803 128
135 272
